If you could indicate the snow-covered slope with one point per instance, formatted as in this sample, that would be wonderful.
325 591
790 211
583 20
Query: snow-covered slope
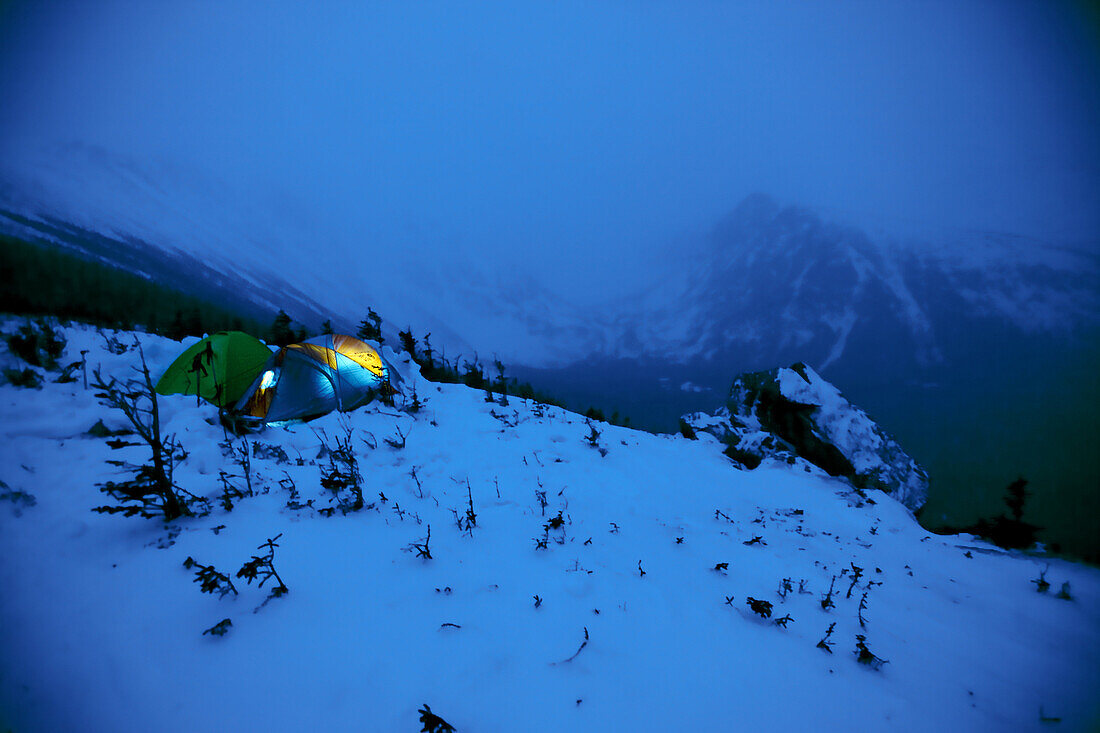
635 615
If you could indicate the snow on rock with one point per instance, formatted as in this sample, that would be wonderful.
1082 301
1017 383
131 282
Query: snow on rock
793 412
603 584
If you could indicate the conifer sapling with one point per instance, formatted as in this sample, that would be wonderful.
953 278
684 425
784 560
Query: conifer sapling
433 723
1041 584
209 579
219 629
262 568
825 643
760 608
865 656
827 599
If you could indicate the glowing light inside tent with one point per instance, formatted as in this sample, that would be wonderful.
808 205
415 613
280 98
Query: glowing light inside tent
268 380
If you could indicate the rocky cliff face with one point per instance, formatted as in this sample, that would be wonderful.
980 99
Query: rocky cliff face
792 414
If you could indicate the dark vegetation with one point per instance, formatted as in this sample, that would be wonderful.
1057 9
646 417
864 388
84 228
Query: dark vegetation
281 334
422 549
262 568
370 328
26 378
433 723
435 367
342 476
1009 532
21 500
579 649
149 491
219 629
43 280
39 344
865 655
210 580
760 608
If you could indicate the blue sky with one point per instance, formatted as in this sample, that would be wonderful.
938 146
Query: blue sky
566 139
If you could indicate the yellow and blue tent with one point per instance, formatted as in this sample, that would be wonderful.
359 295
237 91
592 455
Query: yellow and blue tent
315 377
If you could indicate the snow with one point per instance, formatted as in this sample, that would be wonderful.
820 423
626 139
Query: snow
690 386
101 625
870 450
843 328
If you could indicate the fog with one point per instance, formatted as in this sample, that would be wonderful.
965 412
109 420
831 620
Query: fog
564 141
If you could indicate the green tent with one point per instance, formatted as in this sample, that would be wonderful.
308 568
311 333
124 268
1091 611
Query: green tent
218 368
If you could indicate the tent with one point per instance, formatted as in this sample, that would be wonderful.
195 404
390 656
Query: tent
315 377
219 368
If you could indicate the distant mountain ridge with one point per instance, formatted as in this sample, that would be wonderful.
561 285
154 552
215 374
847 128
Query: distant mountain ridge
171 267
779 284
770 285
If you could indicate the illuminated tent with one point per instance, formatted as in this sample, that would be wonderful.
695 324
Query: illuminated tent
219 368
315 377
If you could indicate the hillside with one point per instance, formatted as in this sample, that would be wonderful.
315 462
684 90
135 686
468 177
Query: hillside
978 350
630 612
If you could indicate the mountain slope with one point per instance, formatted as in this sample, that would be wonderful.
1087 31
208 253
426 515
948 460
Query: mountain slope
779 284
974 349
101 625
216 281
775 285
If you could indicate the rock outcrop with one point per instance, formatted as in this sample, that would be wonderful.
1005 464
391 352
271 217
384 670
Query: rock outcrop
792 413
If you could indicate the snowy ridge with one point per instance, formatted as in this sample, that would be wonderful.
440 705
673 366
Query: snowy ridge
793 416
635 615
778 284
772 283
871 451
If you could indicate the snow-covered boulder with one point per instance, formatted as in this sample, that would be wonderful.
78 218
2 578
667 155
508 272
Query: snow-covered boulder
787 412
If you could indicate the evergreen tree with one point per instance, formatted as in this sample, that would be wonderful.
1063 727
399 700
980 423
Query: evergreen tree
326 328
502 382
192 322
1016 495
428 352
281 334
36 279
176 330
408 343
472 375
594 413
370 328
1010 533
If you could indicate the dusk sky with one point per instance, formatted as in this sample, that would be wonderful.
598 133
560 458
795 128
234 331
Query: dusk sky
560 140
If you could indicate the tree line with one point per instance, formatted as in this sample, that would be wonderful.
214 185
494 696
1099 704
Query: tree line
40 280
37 279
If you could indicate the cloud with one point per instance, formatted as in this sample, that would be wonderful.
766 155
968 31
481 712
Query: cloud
692 387
563 139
